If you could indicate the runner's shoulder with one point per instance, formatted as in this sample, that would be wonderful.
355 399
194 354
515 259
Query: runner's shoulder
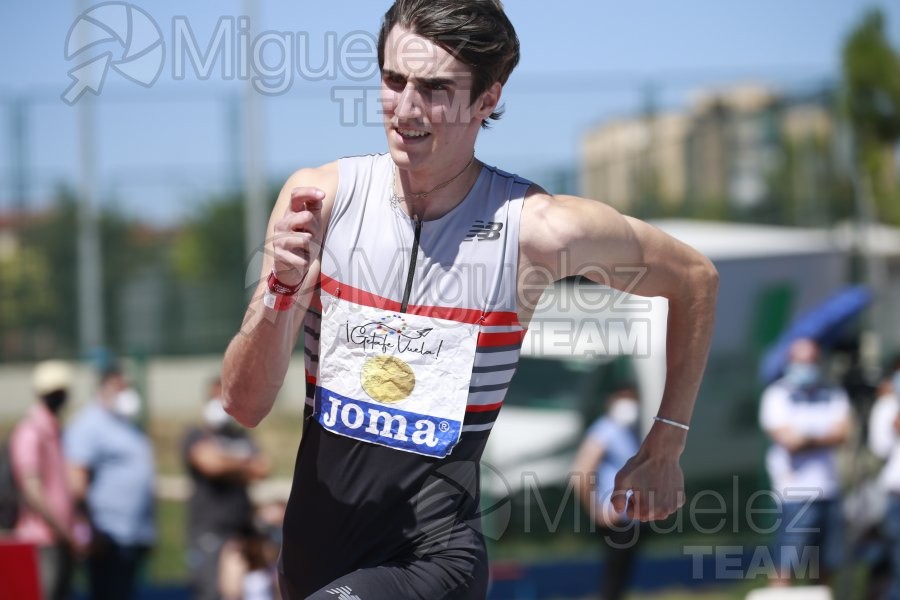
544 215
324 177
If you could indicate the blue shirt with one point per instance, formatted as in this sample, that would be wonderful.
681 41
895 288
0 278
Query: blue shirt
119 459
620 444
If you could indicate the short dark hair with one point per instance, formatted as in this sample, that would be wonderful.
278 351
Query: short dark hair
476 32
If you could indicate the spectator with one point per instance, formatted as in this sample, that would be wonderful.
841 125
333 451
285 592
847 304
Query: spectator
247 566
222 460
807 419
608 445
884 441
112 473
46 518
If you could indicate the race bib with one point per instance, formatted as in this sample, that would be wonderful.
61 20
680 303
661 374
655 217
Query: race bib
393 379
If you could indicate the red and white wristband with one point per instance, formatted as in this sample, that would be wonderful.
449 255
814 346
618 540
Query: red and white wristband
279 295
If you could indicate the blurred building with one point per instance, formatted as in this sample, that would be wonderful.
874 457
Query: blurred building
739 146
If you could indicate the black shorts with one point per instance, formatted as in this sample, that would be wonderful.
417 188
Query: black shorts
424 579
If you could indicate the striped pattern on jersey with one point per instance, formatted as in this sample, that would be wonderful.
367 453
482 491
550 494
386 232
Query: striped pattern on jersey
469 255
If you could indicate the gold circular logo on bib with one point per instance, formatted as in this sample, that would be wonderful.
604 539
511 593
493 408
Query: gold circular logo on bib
387 379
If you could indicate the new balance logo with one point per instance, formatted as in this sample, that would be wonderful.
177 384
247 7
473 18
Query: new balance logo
482 232
343 593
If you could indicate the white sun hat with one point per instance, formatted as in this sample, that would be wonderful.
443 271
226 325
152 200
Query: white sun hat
51 376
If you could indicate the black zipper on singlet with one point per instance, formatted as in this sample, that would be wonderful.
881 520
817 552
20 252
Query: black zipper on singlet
412 266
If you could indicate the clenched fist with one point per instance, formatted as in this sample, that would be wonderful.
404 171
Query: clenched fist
298 235
650 486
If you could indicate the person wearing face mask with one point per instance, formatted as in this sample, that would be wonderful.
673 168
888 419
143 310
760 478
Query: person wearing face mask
112 470
46 515
222 460
807 419
884 441
607 446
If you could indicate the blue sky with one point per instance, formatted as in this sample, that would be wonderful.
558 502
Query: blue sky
162 151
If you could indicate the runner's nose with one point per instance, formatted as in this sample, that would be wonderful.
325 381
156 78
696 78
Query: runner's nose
409 103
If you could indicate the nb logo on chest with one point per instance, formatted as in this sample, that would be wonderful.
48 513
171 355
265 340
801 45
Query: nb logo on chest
484 232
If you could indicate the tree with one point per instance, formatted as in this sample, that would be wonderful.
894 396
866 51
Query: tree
210 247
213 272
871 70
39 279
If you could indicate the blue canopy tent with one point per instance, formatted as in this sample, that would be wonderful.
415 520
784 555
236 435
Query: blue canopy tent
824 323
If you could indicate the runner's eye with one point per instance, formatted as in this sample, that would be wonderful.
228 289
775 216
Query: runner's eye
394 81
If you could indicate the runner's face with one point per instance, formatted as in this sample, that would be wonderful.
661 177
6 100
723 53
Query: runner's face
425 91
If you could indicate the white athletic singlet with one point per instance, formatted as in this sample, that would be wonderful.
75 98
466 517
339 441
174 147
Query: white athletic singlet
388 465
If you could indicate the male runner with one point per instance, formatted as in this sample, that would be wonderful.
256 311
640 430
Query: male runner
413 275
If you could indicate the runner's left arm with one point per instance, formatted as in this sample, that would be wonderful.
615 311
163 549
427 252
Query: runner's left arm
610 248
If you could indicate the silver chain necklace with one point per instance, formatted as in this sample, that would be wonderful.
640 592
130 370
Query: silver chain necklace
396 199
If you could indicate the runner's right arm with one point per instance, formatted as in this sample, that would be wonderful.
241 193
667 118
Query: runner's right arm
257 359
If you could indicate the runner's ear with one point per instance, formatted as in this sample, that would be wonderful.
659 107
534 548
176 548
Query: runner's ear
489 100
